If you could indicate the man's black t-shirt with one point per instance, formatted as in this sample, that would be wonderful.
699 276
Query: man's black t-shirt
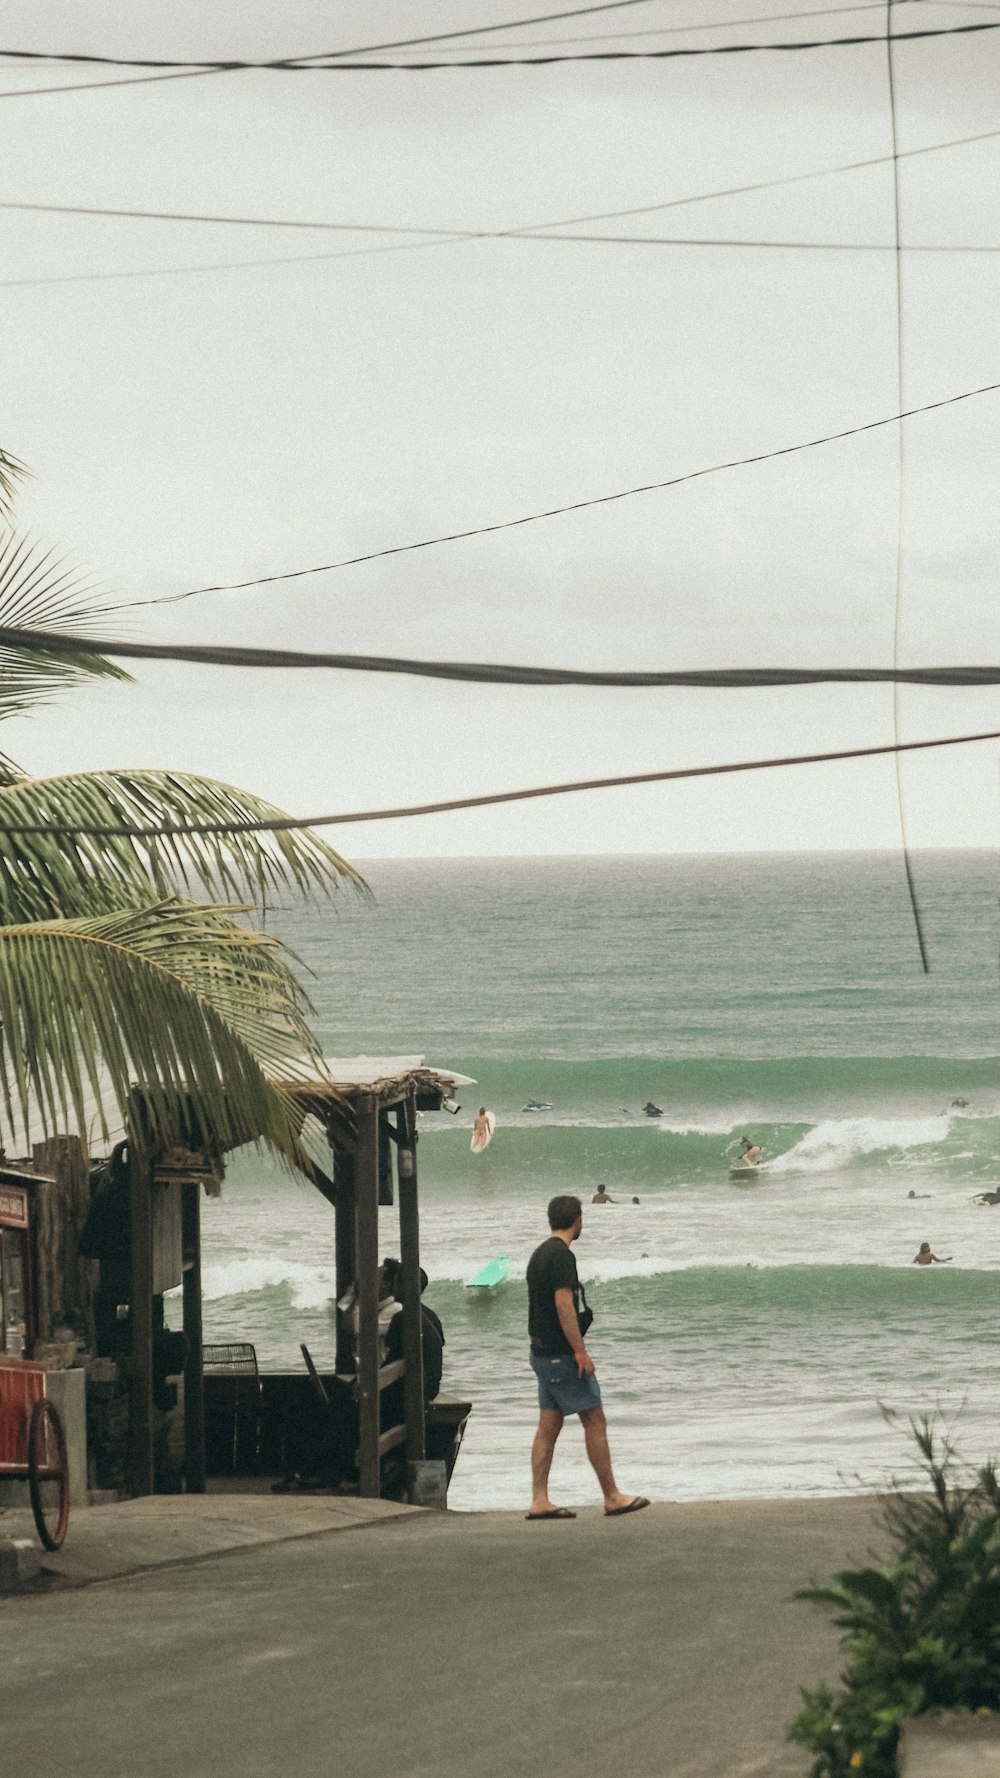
550 1268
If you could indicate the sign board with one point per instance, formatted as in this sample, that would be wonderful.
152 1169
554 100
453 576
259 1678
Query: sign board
13 1207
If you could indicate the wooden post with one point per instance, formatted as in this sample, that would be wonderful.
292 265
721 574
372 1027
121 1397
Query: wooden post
366 1182
409 1248
194 1376
64 1282
140 1420
345 1233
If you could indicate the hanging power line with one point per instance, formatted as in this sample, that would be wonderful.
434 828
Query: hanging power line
86 86
304 65
901 493
292 823
764 18
230 66
657 55
444 238
485 673
533 518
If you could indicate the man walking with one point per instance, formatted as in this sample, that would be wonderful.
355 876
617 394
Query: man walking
564 1368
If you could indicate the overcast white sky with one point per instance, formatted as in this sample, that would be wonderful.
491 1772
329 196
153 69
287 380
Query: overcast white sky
219 424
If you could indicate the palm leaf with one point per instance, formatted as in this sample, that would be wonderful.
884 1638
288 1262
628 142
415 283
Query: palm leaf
11 472
39 590
178 997
59 873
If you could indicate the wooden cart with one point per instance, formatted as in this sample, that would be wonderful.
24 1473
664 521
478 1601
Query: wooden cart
33 1446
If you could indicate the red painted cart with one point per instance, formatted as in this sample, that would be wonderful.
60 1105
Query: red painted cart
33 1446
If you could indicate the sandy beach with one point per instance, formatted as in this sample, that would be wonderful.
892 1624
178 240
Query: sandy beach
432 1643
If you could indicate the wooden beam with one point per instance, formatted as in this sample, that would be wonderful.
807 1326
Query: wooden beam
387 1442
345 1240
140 1418
194 1377
409 1248
366 1239
64 1282
391 1373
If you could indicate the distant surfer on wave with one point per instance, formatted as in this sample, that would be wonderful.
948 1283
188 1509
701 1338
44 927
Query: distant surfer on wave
926 1258
482 1129
750 1152
652 1110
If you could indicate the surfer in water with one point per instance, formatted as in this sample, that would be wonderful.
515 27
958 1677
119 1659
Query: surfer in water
652 1110
750 1152
482 1127
926 1258
603 1196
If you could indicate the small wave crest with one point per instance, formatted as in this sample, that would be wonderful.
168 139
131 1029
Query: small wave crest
310 1287
837 1141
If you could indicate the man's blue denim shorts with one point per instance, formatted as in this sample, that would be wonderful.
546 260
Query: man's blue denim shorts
560 1386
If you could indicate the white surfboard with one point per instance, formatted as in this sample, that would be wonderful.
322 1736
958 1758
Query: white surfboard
482 1138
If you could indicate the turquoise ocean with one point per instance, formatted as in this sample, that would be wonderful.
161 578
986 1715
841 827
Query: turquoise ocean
750 1338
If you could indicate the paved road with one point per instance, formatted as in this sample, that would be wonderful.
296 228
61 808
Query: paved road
441 1646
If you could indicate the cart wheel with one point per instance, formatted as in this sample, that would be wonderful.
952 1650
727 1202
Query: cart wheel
48 1474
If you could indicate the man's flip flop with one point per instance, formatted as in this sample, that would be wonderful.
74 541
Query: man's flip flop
558 1512
633 1506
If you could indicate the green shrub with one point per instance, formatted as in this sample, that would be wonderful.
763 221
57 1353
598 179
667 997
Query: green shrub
921 1634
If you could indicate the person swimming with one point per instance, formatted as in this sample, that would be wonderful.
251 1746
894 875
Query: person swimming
926 1258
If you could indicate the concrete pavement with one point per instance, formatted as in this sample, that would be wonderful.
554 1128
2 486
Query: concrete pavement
661 1645
130 1536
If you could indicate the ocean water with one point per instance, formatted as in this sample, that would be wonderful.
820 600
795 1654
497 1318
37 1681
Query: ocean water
751 1339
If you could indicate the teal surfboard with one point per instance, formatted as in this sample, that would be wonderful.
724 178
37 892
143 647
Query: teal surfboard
493 1273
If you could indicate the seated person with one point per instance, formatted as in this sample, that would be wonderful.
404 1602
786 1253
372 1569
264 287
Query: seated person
388 1308
431 1345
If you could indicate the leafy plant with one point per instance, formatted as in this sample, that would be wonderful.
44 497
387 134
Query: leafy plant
921 1634
110 976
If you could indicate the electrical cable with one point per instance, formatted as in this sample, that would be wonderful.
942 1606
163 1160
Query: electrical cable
655 55
303 65
223 67
530 233
86 86
532 518
765 18
292 823
58 642
901 495
449 239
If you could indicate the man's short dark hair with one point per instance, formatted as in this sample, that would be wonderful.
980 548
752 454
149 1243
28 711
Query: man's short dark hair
563 1212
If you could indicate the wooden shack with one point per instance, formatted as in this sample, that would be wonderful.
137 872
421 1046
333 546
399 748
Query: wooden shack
362 1122
108 1241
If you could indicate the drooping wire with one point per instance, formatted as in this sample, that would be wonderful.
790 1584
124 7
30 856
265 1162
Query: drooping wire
334 62
901 495
456 237
534 233
24 638
533 518
293 823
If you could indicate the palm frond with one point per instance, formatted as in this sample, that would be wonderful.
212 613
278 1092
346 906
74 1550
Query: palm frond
61 874
12 471
177 997
39 590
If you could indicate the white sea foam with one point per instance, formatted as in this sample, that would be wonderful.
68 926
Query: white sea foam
310 1286
722 1127
837 1141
